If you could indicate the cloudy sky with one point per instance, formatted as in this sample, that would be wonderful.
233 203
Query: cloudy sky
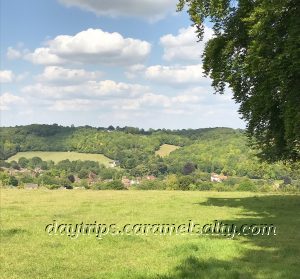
106 62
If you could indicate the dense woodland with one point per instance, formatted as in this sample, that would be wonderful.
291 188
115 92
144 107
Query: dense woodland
203 151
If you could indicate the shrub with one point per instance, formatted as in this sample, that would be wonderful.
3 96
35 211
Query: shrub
151 185
115 185
185 182
13 181
290 188
247 185
205 186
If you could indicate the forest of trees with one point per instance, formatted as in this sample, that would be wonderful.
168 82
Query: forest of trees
255 52
203 151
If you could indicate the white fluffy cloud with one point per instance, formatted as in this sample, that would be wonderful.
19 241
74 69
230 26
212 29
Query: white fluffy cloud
6 76
92 46
60 75
13 53
177 75
44 56
106 89
55 86
184 46
148 9
7 99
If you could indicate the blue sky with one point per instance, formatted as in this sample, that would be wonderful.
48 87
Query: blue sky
108 62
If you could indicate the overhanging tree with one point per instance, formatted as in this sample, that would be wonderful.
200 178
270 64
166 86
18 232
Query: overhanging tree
255 51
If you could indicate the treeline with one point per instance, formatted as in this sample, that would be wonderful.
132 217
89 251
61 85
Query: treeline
130 146
62 174
91 175
220 150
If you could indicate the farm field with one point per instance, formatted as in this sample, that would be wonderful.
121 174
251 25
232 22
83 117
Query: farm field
166 149
28 252
59 156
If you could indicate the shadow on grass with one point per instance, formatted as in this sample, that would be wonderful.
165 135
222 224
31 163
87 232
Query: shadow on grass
270 257
11 232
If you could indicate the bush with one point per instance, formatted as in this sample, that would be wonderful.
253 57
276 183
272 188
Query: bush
232 181
205 186
203 176
247 185
83 174
52 186
115 185
290 188
185 182
151 185
71 178
220 187
15 165
13 181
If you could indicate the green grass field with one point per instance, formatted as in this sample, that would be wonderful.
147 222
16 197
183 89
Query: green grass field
59 156
166 149
28 252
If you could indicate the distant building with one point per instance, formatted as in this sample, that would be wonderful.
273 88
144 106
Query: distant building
30 186
135 181
126 182
150 177
114 164
217 177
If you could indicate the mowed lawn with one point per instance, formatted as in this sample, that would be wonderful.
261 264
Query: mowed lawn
166 149
28 252
59 156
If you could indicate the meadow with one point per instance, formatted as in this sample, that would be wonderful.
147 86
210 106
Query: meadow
28 252
60 156
166 149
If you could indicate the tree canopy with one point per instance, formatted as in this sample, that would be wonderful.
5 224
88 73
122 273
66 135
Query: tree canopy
255 51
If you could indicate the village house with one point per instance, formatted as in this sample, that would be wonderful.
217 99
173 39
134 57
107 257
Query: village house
150 177
217 177
114 164
126 182
136 181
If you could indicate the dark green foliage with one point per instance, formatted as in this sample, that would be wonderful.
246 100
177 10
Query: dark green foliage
256 51
23 162
14 165
35 162
220 150
47 179
13 181
71 178
204 186
247 185
185 182
115 185
151 185
189 168
287 180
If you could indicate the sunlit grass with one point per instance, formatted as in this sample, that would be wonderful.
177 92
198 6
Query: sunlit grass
166 149
59 156
28 252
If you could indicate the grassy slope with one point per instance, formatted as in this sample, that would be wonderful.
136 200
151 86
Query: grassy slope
27 252
166 149
59 156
